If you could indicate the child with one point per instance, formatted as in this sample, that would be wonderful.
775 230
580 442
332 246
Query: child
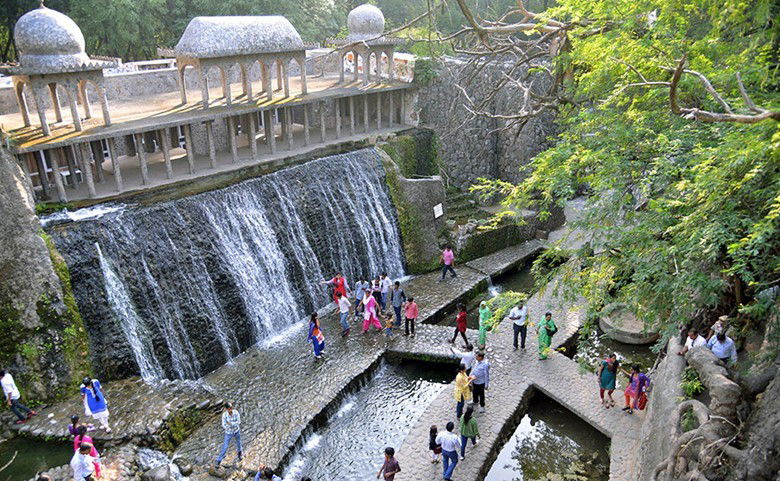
391 466
73 427
389 325
433 446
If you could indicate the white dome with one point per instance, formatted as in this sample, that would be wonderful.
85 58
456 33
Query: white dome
49 41
208 37
364 22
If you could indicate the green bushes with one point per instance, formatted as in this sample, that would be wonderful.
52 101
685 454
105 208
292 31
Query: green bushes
691 384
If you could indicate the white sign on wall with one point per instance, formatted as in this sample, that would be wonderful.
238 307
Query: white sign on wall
438 211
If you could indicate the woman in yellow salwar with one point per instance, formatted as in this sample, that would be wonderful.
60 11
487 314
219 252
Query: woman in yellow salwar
545 329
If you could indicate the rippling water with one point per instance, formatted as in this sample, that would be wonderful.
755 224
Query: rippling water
548 439
32 456
351 445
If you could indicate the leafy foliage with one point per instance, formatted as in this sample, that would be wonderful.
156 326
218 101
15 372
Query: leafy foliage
691 384
687 217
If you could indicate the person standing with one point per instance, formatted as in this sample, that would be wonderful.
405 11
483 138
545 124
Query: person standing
450 444
339 284
360 291
724 348
448 262
411 312
370 317
397 299
81 439
390 467
466 357
694 339
484 323
376 291
545 330
481 375
638 383
316 337
468 430
12 396
82 464
607 377
460 324
95 403
231 423
462 390
344 304
433 446
384 290
518 315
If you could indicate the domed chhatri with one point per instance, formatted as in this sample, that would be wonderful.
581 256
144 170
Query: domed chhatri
49 42
365 22
209 37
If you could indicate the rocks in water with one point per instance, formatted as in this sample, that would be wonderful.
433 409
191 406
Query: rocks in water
160 473
147 459
185 466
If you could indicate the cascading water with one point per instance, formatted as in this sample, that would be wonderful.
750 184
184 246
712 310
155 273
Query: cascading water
176 289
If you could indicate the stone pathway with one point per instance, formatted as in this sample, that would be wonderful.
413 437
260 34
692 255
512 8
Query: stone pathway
514 376
506 259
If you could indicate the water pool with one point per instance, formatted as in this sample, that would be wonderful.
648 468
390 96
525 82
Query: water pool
32 456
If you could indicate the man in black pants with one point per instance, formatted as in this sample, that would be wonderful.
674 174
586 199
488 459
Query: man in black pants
518 315
462 323
480 371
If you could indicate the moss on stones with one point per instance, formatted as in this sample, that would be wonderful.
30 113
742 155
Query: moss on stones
414 153
179 425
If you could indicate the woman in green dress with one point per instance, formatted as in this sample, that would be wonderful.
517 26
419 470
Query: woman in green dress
545 329
484 323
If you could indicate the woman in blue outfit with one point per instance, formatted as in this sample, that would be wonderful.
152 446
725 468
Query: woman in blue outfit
316 337
95 403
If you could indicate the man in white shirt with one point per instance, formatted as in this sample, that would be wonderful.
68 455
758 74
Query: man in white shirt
385 284
518 315
83 464
694 339
344 304
466 357
450 445
11 395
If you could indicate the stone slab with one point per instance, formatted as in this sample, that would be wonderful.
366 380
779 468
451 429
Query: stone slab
507 259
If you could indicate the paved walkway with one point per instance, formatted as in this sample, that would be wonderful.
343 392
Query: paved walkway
507 259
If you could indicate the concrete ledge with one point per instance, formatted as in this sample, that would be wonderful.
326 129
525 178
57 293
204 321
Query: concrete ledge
623 326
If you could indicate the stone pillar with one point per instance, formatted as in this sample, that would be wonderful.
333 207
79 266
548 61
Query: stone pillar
43 176
69 154
115 164
365 113
104 107
282 123
141 152
341 66
286 71
403 107
97 153
337 103
182 84
391 65
270 135
41 112
190 147
225 86
392 108
55 170
279 77
355 61
288 117
322 122
367 67
379 111
204 87
211 142
85 100
246 82
21 100
55 101
85 167
352 116
252 134
165 146
306 124
266 80
74 109
304 87
231 125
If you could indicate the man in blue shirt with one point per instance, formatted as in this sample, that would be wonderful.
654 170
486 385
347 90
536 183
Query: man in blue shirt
481 373
723 347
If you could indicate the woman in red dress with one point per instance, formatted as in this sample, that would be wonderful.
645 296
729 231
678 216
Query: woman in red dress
339 285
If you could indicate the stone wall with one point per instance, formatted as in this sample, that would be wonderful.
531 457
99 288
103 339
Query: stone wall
662 403
473 148
43 339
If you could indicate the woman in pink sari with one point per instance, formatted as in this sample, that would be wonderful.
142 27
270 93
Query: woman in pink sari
369 313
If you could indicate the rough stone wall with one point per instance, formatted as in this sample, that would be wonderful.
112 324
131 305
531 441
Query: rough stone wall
43 339
663 401
475 148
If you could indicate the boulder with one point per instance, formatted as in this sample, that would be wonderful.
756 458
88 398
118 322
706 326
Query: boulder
160 473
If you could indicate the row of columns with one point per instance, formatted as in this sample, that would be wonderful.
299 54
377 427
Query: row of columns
75 94
89 154
366 56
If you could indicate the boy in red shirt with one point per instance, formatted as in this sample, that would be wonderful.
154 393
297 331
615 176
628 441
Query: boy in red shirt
461 326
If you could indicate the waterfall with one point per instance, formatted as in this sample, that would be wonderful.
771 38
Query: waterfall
178 288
